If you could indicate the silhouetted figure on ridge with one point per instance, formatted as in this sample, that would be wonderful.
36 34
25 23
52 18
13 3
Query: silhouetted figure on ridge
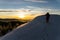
47 17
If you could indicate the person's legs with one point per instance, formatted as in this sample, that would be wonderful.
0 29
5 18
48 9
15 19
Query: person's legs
47 19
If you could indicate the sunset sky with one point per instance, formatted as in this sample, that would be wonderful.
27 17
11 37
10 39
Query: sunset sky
31 7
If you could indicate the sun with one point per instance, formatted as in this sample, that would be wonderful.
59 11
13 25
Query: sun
21 15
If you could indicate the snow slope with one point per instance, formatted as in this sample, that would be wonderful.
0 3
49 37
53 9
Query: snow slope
37 29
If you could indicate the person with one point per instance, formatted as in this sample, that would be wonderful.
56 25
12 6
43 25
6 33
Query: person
47 17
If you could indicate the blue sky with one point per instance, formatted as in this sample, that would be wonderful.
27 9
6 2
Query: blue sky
16 4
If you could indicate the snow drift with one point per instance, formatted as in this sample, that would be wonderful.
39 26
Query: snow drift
37 29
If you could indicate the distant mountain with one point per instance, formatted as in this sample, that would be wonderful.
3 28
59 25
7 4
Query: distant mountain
37 29
15 19
8 19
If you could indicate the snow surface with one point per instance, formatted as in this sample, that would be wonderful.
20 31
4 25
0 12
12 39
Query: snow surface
37 29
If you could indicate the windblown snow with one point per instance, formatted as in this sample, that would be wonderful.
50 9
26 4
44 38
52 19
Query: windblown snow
37 29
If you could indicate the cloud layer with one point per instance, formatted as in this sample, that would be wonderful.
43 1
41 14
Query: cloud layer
29 10
41 1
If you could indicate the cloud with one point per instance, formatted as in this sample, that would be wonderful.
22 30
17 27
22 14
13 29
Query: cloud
41 1
43 10
30 10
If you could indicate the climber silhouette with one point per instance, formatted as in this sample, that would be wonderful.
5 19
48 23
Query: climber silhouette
47 17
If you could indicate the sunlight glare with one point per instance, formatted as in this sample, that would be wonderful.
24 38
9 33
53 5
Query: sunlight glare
21 15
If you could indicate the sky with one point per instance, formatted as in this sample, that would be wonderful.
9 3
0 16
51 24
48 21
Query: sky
16 4
30 6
